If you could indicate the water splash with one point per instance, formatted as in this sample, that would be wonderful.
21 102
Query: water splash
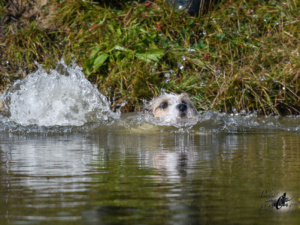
64 97
214 122
185 124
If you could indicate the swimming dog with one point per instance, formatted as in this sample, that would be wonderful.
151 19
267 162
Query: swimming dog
172 108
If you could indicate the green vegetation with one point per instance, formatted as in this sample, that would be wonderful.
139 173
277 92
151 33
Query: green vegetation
240 56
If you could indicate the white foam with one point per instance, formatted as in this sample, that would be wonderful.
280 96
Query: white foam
64 97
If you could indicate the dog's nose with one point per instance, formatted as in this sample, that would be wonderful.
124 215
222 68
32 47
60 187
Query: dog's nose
182 107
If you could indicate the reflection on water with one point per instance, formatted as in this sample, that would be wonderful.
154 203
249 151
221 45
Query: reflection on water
45 162
113 176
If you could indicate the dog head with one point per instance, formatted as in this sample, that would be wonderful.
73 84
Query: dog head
172 108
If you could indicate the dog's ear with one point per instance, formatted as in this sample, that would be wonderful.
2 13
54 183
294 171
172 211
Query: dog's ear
147 107
186 96
188 100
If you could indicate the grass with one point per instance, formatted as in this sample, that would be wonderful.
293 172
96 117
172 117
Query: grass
241 56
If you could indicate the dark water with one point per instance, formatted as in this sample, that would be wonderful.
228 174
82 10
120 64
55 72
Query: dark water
113 175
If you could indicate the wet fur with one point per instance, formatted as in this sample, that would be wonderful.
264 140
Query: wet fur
2 107
172 108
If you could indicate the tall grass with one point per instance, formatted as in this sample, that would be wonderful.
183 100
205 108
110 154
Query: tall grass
241 56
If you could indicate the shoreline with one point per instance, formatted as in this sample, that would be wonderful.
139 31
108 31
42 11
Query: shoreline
234 58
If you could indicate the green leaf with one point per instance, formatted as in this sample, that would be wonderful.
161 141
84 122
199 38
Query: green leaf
221 36
103 20
200 45
95 52
120 48
151 55
198 62
99 61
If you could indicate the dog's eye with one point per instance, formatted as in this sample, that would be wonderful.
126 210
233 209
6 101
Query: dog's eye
163 105
184 102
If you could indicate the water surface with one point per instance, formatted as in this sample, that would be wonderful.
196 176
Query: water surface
115 175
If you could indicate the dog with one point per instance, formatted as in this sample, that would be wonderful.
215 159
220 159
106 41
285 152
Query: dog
172 109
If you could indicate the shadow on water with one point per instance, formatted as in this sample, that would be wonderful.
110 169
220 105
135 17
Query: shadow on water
99 168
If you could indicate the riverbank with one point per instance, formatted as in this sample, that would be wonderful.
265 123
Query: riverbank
239 57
